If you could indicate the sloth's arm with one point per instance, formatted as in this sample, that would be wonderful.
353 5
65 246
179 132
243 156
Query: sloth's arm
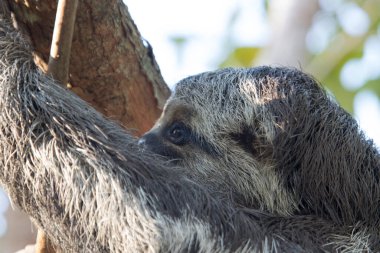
84 181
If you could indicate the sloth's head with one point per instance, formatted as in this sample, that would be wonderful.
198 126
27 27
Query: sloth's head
231 128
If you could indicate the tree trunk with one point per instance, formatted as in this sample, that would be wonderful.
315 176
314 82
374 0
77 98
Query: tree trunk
110 67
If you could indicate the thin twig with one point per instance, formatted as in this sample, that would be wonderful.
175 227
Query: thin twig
59 58
58 67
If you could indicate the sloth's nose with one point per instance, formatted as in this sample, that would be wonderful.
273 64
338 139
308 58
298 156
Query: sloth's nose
148 140
141 142
142 145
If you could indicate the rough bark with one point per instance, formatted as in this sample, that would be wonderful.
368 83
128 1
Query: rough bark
110 66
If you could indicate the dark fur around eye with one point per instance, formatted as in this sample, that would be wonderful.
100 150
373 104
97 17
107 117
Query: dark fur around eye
178 133
252 143
202 143
245 139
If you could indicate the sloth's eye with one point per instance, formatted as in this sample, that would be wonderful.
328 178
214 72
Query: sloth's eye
178 133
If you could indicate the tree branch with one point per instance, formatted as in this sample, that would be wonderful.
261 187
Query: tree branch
62 39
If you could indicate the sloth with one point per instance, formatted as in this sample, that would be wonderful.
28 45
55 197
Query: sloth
85 181
272 139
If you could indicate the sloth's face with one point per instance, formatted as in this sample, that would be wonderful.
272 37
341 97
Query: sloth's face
174 135
221 152
183 132
245 133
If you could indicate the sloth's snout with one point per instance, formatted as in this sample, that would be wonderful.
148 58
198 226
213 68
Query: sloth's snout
152 141
141 142
148 140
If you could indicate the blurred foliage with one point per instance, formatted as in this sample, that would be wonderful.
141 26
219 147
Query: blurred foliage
241 57
332 79
327 64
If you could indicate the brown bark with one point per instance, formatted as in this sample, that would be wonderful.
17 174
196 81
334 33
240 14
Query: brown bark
43 244
109 67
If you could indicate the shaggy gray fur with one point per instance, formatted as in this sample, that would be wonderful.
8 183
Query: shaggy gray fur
84 181
278 142
317 150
